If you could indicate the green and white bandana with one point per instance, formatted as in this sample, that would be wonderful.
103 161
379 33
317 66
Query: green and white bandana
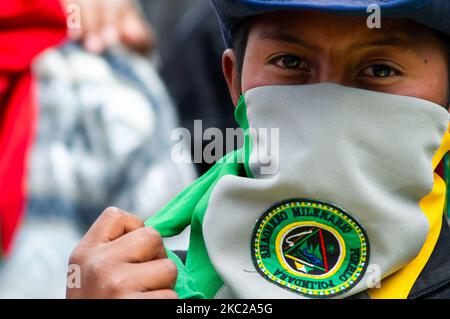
339 194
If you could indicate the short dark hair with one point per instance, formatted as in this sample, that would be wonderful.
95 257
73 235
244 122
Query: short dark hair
239 42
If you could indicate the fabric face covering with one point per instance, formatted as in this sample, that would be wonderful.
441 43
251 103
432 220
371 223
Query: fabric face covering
332 194
336 202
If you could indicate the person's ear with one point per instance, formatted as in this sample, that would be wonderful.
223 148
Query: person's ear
230 71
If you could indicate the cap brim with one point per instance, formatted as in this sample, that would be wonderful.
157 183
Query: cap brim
342 6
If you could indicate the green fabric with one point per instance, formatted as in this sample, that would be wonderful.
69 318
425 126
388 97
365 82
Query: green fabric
198 278
185 286
240 114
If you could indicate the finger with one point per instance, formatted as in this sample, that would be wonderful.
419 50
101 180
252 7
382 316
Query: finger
139 246
110 22
149 276
112 224
158 294
136 33
90 24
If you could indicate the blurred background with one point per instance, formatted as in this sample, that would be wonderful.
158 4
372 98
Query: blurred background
90 92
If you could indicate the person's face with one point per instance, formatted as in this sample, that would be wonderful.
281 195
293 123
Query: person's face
293 47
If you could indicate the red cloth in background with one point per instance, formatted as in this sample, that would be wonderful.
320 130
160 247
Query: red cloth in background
27 27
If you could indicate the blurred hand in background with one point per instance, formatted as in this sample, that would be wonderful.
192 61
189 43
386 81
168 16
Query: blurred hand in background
106 23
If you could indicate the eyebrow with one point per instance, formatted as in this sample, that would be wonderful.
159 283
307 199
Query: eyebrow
287 38
391 40
398 39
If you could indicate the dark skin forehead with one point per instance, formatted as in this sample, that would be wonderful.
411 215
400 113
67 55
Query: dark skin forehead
402 33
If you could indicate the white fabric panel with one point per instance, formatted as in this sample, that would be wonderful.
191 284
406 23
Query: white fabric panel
369 153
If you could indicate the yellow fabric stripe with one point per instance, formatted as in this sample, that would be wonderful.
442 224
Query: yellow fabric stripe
399 284
443 149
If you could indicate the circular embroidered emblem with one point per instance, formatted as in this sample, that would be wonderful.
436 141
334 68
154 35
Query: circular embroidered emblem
310 247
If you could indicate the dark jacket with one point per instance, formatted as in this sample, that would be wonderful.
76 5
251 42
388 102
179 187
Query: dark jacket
434 281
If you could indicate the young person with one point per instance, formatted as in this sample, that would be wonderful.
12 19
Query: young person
333 194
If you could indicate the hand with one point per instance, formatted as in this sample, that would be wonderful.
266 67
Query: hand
119 258
105 23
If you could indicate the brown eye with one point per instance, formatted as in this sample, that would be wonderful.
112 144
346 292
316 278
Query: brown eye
380 71
290 62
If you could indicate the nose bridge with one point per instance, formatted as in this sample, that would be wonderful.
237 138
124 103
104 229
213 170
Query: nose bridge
331 68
